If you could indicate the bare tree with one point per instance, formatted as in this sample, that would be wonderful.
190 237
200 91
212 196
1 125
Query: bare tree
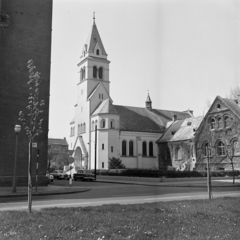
235 92
31 122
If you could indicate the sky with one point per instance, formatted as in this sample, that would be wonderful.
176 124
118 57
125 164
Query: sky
183 52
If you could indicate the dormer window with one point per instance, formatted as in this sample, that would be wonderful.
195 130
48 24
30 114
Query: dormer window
97 52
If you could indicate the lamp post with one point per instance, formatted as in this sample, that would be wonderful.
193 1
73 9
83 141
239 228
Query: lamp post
17 129
95 170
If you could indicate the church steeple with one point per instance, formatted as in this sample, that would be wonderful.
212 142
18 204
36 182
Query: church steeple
94 46
148 103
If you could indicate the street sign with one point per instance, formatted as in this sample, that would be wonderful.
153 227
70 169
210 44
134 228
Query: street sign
34 145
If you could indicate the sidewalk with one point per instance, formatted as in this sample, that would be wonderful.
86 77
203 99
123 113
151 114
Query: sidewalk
6 192
171 182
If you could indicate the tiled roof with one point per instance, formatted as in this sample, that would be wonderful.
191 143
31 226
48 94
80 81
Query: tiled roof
232 105
57 141
187 129
181 130
142 120
106 106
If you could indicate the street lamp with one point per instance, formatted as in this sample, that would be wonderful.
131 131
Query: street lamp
17 129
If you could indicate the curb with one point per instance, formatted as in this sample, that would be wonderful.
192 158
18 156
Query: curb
58 192
166 185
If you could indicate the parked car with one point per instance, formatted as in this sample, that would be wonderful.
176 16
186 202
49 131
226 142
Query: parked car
83 175
50 177
59 174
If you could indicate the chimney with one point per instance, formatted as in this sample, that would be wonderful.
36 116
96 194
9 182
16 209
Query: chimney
174 118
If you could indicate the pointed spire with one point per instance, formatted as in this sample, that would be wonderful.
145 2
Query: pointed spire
148 102
93 18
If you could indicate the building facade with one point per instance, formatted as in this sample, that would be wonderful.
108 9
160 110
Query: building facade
102 129
218 136
25 33
177 148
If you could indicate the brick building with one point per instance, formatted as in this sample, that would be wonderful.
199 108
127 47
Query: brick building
57 145
220 129
25 33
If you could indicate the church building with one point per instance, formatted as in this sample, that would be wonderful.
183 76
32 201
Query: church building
103 130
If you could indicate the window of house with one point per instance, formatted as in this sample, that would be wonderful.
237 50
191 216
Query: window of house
206 149
150 149
102 164
100 72
112 124
131 148
213 123
103 123
92 125
96 123
220 122
95 72
78 128
124 148
84 127
144 148
73 131
102 146
111 148
83 73
97 51
226 121
178 153
81 130
221 148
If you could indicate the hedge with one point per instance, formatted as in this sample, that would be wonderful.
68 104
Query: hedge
158 174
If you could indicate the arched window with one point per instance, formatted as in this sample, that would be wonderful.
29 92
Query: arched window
78 128
213 123
124 148
112 124
95 72
96 123
97 51
206 150
81 130
226 121
84 127
103 123
221 148
220 122
131 148
150 149
144 149
83 73
178 153
92 125
100 72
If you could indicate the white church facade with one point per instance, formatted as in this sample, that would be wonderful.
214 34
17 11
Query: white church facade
127 133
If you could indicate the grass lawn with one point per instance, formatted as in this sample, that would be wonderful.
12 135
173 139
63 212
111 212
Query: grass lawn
193 219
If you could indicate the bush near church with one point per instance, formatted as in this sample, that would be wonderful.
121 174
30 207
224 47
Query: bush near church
158 174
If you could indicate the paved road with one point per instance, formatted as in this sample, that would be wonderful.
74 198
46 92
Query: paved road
107 193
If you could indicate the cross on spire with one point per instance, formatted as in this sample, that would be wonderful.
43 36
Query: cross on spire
93 17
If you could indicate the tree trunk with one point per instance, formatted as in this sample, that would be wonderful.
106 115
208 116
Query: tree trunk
30 178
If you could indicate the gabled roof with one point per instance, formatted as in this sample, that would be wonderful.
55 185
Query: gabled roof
94 39
181 130
96 88
232 105
57 141
106 107
228 103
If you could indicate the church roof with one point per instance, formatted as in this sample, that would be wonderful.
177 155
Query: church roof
94 39
138 119
106 107
148 99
